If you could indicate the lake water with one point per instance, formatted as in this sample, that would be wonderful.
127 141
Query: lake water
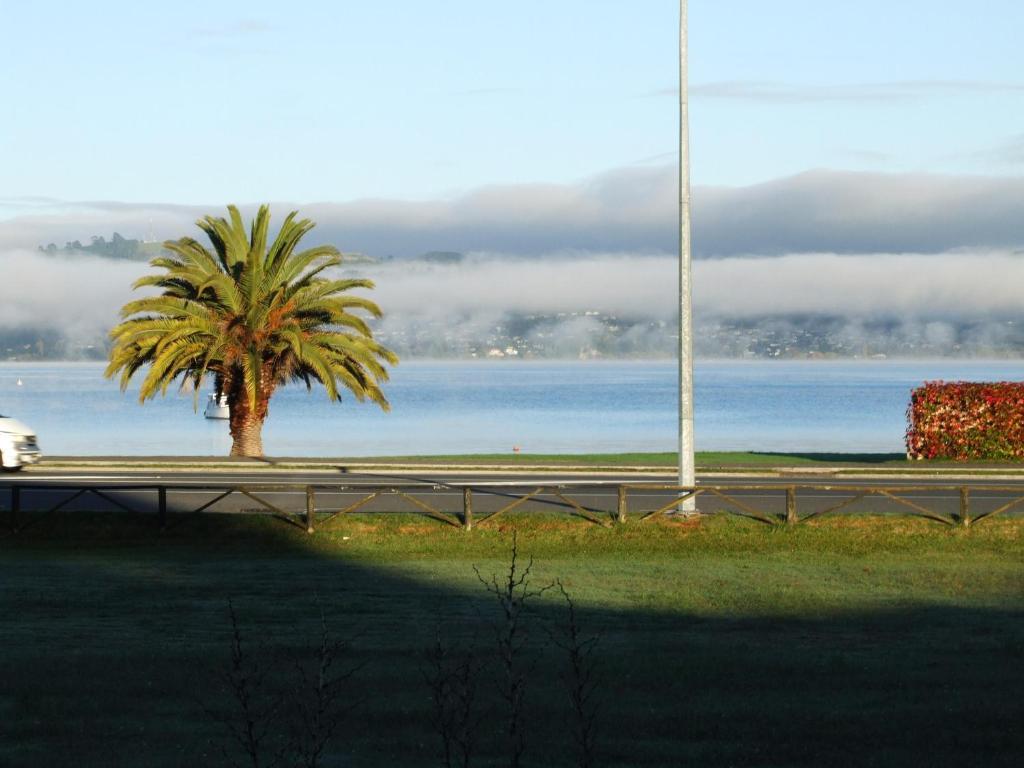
491 406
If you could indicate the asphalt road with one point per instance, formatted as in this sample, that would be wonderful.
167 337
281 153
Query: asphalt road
565 492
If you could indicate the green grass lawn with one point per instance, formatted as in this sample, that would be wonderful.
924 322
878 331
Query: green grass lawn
668 459
847 642
704 460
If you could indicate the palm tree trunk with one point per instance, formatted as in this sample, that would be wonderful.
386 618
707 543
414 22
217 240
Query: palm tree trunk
247 427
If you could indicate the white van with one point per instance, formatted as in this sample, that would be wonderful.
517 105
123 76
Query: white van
18 445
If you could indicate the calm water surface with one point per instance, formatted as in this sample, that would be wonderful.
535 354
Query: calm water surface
490 406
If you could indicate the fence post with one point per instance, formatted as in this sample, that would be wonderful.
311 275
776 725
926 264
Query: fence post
15 506
161 506
791 517
467 508
622 508
965 506
310 508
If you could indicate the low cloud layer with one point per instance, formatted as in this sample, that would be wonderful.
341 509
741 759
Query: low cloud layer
630 210
77 295
960 285
85 291
908 255
957 285
963 302
919 295
488 285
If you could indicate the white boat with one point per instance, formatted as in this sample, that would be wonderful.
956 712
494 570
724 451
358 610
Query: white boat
217 407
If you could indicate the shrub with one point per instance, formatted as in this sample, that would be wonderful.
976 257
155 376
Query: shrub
963 420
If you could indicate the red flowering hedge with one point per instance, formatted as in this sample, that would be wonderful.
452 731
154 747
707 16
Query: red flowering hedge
966 420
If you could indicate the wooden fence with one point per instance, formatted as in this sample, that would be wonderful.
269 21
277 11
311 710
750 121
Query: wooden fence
771 504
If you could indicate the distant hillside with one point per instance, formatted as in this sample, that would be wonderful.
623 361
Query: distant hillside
350 258
126 249
117 247
443 257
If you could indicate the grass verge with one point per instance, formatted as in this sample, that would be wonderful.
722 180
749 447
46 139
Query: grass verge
705 461
851 641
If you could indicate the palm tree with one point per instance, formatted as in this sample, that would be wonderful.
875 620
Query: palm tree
254 317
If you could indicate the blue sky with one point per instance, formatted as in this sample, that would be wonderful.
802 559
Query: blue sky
210 102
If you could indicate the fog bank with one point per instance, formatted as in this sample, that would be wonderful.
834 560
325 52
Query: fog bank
628 210
78 295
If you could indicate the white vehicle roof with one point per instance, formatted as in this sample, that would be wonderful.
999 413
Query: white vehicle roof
13 426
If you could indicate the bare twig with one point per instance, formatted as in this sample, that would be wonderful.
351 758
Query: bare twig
453 681
512 593
254 705
317 700
580 680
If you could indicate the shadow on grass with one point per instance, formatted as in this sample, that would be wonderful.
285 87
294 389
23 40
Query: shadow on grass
110 634
874 458
836 458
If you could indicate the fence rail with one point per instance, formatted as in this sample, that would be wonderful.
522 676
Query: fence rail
619 501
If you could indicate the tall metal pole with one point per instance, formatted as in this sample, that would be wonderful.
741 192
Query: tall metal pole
686 458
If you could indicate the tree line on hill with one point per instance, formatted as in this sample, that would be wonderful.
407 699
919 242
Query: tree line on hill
118 247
